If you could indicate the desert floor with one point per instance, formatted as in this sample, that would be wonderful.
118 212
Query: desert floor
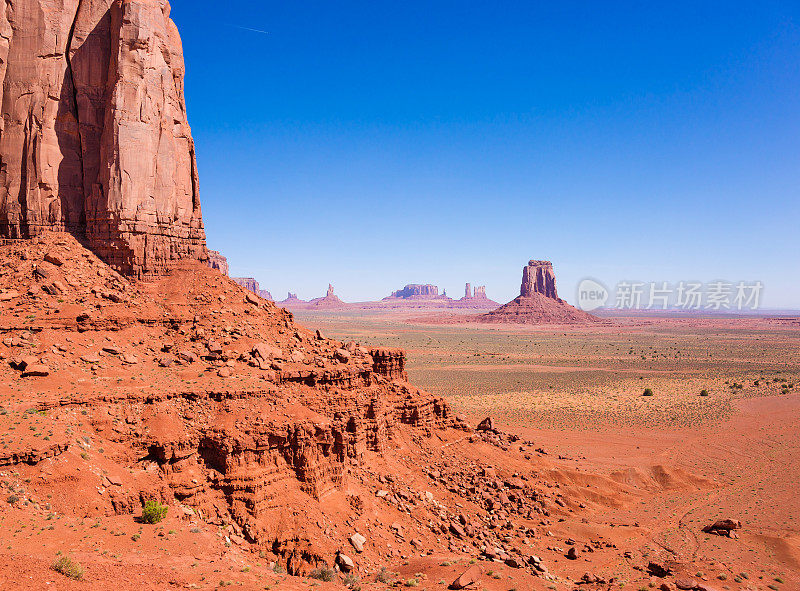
732 451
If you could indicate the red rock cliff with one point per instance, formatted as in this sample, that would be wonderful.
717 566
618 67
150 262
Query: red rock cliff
95 138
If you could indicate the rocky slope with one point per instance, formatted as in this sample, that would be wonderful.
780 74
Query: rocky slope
95 138
213 398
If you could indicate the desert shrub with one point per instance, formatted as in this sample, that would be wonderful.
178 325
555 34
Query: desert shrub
411 583
153 512
68 567
703 392
384 576
647 392
278 569
323 574
351 580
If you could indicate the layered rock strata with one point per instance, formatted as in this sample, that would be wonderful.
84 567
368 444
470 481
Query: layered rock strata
95 138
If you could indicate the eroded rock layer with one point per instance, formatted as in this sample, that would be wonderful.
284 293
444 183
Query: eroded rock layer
95 138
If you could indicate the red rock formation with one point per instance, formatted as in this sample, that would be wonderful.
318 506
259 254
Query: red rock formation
331 300
415 290
291 300
249 283
538 302
217 261
539 277
478 293
95 137
390 363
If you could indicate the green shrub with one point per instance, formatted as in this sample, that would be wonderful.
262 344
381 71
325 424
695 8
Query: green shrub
703 392
153 512
647 392
67 567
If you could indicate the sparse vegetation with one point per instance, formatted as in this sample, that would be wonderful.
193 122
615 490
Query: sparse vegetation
153 512
352 581
323 574
385 576
647 392
68 567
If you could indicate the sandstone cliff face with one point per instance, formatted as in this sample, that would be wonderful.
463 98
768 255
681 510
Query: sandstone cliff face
95 138
539 277
217 260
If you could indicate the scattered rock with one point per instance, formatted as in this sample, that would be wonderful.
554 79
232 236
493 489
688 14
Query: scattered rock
486 424
53 259
358 541
572 553
724 527
36 370
658 570
471 576
345 562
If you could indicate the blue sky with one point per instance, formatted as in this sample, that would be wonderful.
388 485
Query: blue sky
374 144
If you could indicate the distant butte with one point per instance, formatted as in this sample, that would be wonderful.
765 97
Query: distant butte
538 302
415 290
216 260
329 302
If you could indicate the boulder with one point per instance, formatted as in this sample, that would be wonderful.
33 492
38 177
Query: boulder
358 541
345 563
36 370
469 577
486 424
53 259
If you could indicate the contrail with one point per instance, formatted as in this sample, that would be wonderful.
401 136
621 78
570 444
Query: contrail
250 29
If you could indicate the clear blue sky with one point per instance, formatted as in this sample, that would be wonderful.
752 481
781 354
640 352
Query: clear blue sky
374 144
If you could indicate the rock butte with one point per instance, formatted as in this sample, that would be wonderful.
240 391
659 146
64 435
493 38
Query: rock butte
95 138
217 260
538 302
329 301
416 290
249 283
